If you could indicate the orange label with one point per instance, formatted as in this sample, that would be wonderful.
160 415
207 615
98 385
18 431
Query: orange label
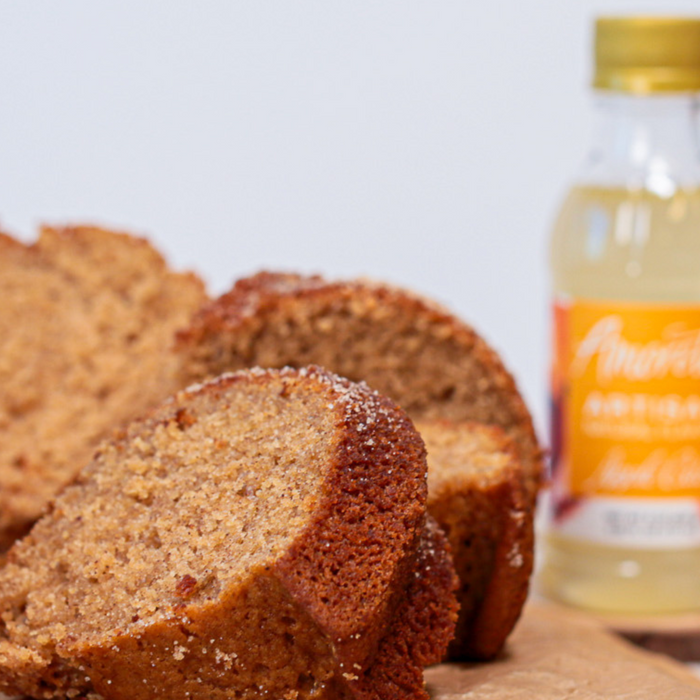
626 397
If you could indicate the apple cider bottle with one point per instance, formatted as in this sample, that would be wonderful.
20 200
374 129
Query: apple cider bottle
624 532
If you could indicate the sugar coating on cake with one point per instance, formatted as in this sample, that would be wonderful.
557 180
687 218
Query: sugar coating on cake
254 537
86 330
410 349
477 495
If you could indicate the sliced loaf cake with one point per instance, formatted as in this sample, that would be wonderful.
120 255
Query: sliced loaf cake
260 536
87 323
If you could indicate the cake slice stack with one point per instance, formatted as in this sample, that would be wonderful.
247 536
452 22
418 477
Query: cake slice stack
261 536
442 373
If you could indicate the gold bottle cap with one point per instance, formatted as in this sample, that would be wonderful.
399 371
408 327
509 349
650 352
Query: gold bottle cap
642 55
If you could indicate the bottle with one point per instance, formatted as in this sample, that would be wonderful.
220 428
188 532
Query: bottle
624 532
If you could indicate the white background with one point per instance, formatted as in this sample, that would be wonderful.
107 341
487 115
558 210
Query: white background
425 143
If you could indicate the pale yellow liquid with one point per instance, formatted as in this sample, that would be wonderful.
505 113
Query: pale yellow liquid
618 244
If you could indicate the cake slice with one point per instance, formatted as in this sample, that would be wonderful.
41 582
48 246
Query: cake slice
438 369
477 495
431 363
260 536
87 323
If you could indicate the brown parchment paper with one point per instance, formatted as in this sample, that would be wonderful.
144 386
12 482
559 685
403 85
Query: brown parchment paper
555 654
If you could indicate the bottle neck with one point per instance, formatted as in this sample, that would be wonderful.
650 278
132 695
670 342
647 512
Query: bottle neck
650 143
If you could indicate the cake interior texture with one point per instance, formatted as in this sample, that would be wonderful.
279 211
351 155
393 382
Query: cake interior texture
178 563
86 331
476 493
174 517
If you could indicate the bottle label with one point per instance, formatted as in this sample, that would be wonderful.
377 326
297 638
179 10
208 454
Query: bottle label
626 423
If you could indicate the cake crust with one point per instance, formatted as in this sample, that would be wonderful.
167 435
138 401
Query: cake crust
407 347
424 625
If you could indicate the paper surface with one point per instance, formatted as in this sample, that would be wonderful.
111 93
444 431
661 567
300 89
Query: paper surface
558 655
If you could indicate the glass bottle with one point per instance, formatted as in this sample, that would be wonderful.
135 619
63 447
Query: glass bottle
624 533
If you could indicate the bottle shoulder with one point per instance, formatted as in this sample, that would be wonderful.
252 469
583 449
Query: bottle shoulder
649 142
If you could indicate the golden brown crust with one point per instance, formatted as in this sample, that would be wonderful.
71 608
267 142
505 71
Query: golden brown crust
86 333
308 624
467 382
423 627
378 500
